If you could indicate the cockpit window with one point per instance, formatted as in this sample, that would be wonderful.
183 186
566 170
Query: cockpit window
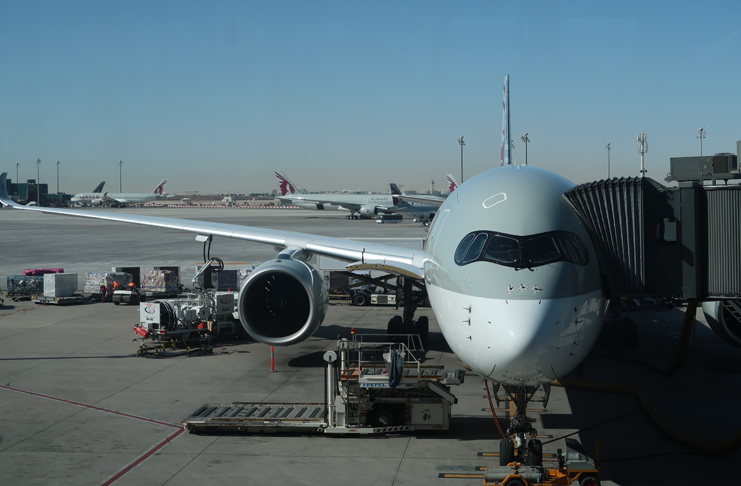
503 249
521 251
540 250
463 246
474 250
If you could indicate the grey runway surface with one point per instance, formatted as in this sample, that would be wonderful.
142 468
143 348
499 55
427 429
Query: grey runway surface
78 407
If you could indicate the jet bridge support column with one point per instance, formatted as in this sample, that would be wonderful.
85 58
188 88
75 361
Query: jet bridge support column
692 256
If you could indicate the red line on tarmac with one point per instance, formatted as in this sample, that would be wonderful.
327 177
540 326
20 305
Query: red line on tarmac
85 405
129 467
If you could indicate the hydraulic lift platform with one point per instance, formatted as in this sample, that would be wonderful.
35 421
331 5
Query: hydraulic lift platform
373 388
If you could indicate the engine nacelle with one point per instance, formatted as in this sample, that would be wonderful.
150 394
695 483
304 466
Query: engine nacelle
724 319
283 302
370 211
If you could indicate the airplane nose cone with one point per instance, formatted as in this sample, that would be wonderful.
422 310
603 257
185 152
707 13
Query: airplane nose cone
519 334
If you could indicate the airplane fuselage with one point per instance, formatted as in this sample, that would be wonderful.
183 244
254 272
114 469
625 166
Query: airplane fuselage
513 278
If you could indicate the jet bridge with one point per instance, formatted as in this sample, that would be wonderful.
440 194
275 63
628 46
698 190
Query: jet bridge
653 240
673 242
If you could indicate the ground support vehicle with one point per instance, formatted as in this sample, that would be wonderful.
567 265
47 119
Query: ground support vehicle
372 385
196 320
575 467
68 300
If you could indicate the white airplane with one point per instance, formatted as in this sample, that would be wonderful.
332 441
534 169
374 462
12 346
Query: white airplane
88 198
360 206
510 271
129 198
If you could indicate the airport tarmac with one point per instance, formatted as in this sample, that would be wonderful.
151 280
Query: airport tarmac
78 407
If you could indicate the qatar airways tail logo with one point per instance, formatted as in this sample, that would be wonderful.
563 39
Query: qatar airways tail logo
285 185
452 185
159 190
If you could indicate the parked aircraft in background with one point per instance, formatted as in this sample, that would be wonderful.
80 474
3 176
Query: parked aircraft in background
89 198
131 198
358 205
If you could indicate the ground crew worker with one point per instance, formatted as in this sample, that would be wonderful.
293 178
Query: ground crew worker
102 292
134 299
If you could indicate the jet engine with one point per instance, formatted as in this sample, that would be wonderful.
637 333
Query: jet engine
724 318
283 302
372 210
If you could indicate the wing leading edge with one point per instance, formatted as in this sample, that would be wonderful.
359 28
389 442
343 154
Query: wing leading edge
347 250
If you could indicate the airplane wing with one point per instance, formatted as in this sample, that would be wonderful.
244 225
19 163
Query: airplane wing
431 200
331 202
402 261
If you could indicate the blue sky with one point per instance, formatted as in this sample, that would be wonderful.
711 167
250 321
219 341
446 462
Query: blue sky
352 95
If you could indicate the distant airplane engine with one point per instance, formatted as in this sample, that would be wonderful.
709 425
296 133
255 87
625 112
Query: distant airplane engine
96 202
724 318
283 302
370 211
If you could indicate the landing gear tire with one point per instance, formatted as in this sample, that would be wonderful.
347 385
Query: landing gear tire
534 453
394 325
506 451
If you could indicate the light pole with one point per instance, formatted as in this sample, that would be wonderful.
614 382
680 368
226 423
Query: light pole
120 164
57 177
642 149
460 141
701 134
608 159
17 164
38 184
526 140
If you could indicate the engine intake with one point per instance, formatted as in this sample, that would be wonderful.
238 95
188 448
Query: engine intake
283 302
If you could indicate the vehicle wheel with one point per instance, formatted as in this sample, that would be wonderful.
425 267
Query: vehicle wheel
534 453
360 298
422 327
115 302
383 418
589 481
394 325
506 451
515 482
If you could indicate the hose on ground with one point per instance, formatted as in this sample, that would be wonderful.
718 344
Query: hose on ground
493 411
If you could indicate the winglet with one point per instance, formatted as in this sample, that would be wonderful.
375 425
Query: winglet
506 139
4 196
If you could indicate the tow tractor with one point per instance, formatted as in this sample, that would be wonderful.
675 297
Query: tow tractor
575 466
194 321
374 384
